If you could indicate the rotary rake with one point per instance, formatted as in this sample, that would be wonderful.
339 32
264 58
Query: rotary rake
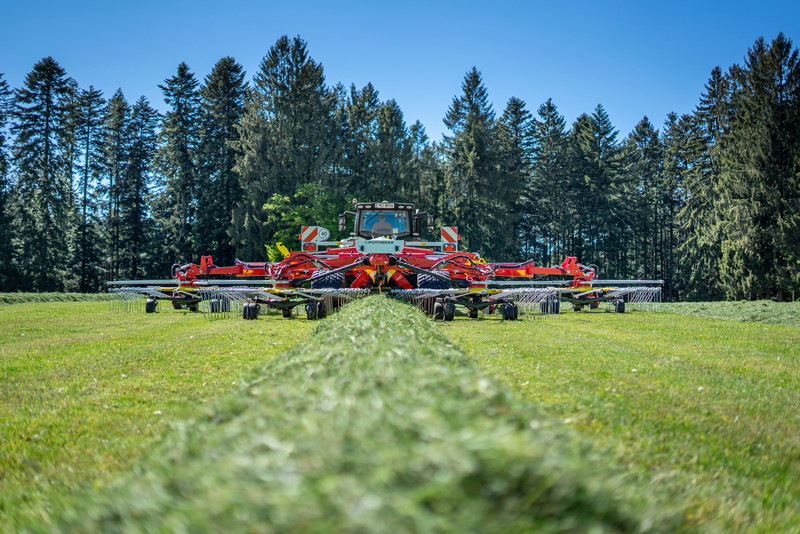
384 253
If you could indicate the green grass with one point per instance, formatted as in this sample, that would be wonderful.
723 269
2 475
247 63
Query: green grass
759 311
375 424
704 410
84 391
23 298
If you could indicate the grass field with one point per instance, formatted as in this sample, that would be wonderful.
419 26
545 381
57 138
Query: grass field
84 391
702 410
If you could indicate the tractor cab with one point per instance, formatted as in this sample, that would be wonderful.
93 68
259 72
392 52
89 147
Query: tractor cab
385 219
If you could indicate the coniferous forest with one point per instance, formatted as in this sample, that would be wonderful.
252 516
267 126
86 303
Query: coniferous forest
98 187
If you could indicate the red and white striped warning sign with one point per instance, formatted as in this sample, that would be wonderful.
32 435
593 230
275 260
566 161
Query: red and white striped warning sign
308 233
450 234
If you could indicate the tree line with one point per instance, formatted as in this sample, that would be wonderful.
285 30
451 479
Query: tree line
94 189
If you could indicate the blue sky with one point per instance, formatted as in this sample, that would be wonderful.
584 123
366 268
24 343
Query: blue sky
635 58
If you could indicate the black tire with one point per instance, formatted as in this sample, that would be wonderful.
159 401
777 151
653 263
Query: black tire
334 281
426 281
576 307
473 313
509 311
250 311
150 305
311 311
449 311
322 310
438 311
193 307
177 305
286 312
619 306
516 310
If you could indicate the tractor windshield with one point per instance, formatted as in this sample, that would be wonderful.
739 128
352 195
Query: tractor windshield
384 223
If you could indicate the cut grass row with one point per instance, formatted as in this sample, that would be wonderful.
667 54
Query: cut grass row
24 298
758 311
704 410
374 424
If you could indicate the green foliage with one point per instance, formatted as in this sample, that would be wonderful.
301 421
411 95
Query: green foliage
312 205
370 427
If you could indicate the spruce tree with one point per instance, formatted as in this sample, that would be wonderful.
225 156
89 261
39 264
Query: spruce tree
513 141
8 277
359 143
760 175
700 252
89 119
43 189
136 225
643 161
222 103
546 195
177 157
288 137
677 141
115 160
472 164
393 156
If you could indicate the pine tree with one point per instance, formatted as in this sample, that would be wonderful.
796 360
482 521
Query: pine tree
643 159
393 155
43 189
115 159
222 101
760 175
513 141
546 197
677 141
8 277
89 118
700 251
472 162
141 141
360 140
288 137
177 164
